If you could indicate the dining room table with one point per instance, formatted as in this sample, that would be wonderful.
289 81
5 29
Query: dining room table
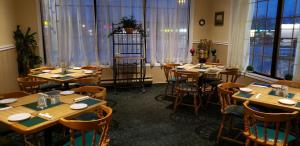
64 76
264 94
45 118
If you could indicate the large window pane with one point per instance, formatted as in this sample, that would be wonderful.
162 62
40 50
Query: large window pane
289 8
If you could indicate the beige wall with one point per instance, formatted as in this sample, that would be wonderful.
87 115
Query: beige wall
13 13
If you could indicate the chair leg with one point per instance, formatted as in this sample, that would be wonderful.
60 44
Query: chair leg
196 105
247 143
175 104
221 128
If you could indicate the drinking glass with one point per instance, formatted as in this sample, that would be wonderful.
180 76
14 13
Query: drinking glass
42 101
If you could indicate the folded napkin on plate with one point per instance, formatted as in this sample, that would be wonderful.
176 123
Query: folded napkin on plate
81 98
5 108
45 115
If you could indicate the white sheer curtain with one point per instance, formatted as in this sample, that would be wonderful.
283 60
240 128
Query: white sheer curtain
296 76
108 12
239 41
167 24
70 32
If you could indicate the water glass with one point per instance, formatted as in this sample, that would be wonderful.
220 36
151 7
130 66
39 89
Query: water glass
42 101
285 91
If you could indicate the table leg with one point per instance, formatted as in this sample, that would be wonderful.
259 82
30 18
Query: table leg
48 137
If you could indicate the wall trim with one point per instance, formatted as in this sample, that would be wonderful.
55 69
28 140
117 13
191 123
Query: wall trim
214 42
7 47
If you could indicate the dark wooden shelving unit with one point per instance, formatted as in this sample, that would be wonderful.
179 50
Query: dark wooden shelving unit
128 59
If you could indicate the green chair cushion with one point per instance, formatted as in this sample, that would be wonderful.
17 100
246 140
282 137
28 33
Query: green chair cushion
88 139
87 116
271 134
235 110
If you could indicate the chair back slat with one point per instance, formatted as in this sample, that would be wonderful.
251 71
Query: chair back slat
252 118
186 82
93 91
293 84
231 75
225 91
93 125
29 84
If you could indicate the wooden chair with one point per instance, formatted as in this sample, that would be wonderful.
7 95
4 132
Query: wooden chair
292 84
229 109
30 85
187 85
170 79
93 91
16 94
91 80
265 128
93 132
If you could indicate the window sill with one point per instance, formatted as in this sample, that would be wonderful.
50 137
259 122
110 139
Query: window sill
260 77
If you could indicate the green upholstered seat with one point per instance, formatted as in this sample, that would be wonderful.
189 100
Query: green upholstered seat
271 134
88 139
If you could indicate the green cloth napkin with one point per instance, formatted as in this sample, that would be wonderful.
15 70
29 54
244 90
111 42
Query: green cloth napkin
245 95
66 78
90 101
32 121
34 105
3 105
290 95
298 104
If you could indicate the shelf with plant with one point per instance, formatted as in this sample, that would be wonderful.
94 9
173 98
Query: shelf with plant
129 25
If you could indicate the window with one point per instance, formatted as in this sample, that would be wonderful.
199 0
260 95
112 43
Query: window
77 30
273 41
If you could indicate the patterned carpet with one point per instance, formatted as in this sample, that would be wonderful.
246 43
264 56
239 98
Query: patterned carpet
142 119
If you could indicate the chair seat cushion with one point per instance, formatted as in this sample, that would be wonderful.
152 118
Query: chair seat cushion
235 110
271 134
87 116
88 139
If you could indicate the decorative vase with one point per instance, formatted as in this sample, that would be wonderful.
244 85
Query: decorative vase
192 51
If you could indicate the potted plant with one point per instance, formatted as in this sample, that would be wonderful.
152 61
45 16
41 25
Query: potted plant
213 54
250 68
129 24
288 77
26 45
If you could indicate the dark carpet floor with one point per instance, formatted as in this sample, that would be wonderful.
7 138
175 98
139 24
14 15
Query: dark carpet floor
141 119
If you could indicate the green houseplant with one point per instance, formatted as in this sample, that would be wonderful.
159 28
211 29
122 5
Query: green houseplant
250 68
129 24
288 77
26 45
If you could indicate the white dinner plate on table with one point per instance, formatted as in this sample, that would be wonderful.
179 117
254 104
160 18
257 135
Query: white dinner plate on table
76 68
287 101
8 100
19 117
67 92
46 71
246 90
88 71
276 86
56 76
77 106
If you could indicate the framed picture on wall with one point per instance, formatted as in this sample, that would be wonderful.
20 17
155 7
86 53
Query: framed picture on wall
219 18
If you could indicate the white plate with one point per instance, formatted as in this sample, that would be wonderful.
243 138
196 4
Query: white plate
77 106
66 92
56 76
247 90
88 71
287 101
19 117
46 71
276 86
8 100
76 68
